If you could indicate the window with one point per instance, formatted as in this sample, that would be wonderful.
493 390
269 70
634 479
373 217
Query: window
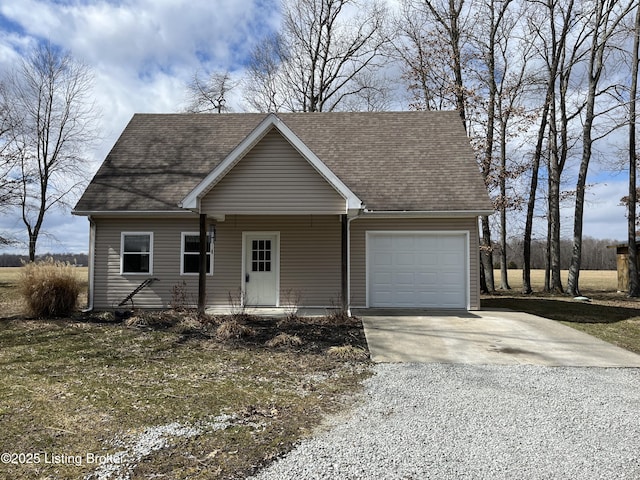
261 256
191 254
136 253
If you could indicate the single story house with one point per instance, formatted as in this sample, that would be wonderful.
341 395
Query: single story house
376 208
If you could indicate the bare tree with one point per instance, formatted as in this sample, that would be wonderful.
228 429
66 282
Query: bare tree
552 38
449 17
606 16
426 58
322 56
263 86
209 95
9 164
515 80
52 119
9 179
560 119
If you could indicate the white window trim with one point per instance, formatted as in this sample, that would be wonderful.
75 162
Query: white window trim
182 253
122 252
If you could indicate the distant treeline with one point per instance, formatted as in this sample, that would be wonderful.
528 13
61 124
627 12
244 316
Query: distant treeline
595 254
15 260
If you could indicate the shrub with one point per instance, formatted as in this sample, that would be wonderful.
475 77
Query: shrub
49 288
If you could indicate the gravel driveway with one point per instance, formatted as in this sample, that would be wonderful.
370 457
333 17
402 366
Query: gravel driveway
480 422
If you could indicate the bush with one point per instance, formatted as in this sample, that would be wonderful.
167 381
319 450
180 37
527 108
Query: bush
49 288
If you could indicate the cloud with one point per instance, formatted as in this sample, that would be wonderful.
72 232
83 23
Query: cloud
142 54
603 215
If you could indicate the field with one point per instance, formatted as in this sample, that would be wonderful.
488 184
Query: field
590 280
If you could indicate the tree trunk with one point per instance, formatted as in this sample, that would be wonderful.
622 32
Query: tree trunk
600 36
487 255
531 204
504 275
634 280
553 237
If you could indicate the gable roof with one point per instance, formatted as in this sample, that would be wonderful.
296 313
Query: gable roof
270 122
391 161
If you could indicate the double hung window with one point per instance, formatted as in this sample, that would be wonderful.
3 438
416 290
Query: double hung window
136 253
190 254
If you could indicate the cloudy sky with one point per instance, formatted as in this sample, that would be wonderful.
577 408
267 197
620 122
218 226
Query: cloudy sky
143 52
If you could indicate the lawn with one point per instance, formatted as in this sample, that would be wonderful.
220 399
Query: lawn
162 395
165 396
609 315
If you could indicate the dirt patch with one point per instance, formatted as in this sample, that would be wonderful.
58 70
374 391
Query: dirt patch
313 334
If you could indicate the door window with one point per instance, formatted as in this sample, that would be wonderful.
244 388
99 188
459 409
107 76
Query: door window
261 255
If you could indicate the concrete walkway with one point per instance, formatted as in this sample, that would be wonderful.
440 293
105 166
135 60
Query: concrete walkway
485 338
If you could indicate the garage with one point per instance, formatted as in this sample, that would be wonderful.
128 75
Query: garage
417 269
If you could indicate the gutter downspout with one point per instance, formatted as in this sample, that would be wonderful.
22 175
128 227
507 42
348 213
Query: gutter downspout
92 260
349 220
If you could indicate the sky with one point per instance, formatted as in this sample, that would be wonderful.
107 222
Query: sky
144 52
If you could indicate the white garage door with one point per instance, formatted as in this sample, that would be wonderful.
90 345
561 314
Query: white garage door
417 270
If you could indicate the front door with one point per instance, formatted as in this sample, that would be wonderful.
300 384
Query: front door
261 269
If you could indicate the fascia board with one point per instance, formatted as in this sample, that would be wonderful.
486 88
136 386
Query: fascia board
135 213
427 213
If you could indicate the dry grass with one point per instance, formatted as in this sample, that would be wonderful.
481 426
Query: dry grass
348 353
11 304
87 385
49 288
233 329
74 388
284 340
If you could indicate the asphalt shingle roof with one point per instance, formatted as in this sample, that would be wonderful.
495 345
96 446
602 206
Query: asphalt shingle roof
393 161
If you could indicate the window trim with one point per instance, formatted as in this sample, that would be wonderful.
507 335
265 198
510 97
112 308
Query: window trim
182 254
122 252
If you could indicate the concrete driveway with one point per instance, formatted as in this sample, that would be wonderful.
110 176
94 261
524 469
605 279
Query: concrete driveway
484 338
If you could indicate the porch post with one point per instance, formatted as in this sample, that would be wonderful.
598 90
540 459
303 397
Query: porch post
344 269
202 268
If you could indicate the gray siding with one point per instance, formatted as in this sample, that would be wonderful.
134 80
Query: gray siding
309 259
272 178
360 226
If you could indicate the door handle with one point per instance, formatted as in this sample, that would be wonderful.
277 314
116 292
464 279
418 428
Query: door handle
246 278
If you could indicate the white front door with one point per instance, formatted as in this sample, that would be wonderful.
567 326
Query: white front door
261 269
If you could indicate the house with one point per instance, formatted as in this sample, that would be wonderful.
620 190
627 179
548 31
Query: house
378 208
